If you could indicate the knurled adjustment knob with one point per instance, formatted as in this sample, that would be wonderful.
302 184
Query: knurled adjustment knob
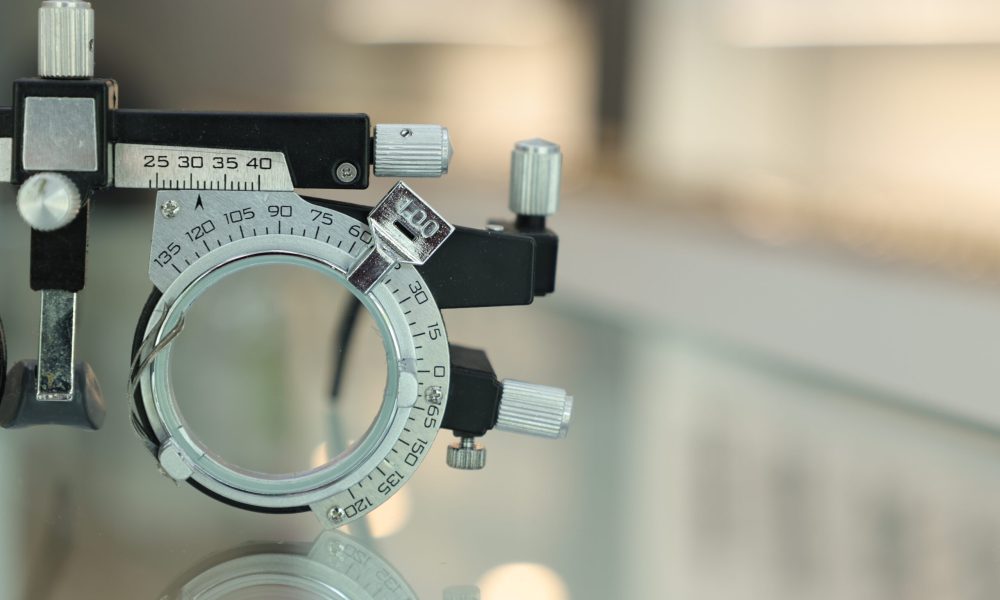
533 409
412 150
466 455
535 174
66 39
48 201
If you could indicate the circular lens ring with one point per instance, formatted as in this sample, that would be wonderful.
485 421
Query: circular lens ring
182 295
272 493
344 566
271 224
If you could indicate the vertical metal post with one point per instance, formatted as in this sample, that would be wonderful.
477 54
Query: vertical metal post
56 343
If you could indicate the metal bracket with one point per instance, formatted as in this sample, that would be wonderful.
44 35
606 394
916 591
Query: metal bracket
406 230
53 390
56 341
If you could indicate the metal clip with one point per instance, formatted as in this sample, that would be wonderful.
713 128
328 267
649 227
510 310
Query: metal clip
406 230
147 350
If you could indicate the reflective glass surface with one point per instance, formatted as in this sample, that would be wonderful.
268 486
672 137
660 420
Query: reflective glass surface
692 470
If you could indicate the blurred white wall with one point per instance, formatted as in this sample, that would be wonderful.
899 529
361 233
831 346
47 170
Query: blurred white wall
874 125
492 73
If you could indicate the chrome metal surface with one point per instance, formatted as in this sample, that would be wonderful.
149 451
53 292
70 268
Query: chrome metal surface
214 234
141 166
535 173
406 229
60 134
412 150
66 39
335 566
533 409
48 201
56 342
6 158
466 455
174 462
370 269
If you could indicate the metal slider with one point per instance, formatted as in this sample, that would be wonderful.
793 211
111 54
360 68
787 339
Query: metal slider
406 230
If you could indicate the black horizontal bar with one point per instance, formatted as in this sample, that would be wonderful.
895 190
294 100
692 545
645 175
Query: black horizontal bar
313 145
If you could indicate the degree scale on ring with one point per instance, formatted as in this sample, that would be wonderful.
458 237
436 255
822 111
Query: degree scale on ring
226 201
282 228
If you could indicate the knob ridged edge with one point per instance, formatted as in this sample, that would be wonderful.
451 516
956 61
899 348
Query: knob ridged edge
66 39
535 174
411 150
48 201
533 409
466 455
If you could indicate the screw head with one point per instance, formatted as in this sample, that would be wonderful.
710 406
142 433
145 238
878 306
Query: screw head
336 515
406 132
170 209
434 394
346 172
335 548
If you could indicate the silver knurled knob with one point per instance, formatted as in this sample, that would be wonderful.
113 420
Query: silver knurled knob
412 150
535 172
48 201
467 455
534 409
66 39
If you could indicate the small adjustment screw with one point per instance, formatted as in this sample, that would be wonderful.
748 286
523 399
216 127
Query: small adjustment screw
434 394
346 172
466 455
336 515
170 209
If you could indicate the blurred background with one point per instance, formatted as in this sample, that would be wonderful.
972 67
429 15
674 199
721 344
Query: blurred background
778 302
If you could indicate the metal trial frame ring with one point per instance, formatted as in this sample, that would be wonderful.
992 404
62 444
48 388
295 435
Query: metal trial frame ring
192 458
334 565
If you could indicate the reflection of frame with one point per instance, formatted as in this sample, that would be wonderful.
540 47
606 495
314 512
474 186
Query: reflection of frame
858 22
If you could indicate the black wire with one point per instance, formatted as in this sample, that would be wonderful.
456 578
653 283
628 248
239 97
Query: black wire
342 339
3 360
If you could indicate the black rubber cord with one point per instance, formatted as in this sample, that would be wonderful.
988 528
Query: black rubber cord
3 359
342 340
